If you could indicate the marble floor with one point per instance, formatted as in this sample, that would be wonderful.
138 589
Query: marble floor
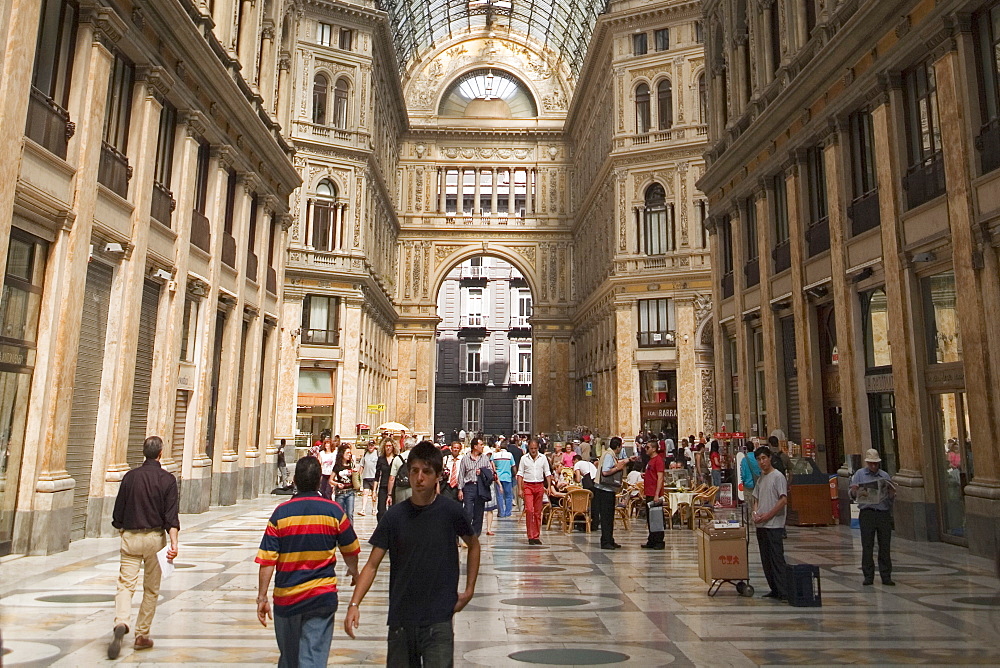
564 603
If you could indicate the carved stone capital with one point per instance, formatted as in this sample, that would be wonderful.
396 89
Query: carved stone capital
109 28
194 122
159 80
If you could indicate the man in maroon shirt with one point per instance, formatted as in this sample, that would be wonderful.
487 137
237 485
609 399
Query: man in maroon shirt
145 514
652 483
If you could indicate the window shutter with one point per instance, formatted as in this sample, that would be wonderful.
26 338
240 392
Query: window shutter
463 356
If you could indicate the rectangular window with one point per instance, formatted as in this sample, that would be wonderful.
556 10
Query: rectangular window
522 315
522 415
189 329
201 178
521 187
346 39
472 415
47 119
924 178
699 33
943 332
875 328
987 33
780 203
659 231
320 318
862 154
472 311
165 145
750 229
323 224
468 191
20 304
451 190
818 232
503 191
662 37
230 202
639 46
726 251
324 34
474 363
119 103
656 323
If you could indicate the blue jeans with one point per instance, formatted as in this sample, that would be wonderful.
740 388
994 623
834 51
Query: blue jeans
431 646
506 500
345 498
304 641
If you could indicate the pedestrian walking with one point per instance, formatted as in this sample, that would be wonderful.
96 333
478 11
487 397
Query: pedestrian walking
300 543
145 515
533 475
473 491
607 488
420 536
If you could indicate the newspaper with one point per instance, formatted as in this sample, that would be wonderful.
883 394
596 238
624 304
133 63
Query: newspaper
873 493
166 566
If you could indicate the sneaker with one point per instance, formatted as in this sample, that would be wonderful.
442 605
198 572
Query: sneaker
888 583
868 581
143 642
115 647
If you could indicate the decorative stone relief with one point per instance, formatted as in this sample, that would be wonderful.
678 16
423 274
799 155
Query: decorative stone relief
682 170
708 400
441 252
527 252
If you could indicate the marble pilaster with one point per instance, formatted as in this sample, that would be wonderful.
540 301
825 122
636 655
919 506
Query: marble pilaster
625 401
349 410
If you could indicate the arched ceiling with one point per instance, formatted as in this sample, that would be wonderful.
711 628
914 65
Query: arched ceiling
565 26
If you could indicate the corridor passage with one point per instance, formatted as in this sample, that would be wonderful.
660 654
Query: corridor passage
564 603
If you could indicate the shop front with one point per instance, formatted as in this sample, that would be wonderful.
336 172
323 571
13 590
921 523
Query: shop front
315 406
658 402
19 310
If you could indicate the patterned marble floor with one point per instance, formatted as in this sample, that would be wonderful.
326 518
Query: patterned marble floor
565 603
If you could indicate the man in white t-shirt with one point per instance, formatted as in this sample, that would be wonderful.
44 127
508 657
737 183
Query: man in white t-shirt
401 491
770 497
583 468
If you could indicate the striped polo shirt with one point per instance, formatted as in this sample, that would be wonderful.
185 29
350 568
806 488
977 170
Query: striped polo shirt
299 541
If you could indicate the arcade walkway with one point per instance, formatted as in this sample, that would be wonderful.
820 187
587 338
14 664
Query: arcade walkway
565 597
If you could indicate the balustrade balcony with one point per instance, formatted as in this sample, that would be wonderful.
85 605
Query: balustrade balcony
113 170
48 124
201 231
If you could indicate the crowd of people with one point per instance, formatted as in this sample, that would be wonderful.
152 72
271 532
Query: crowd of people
431 498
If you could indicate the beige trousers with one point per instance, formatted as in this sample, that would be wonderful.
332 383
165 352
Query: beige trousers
139 548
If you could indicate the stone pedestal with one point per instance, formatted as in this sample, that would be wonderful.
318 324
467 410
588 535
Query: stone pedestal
45 524
225 481
981 514
196 490
915 514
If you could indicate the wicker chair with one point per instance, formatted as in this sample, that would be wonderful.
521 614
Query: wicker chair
556 513
577 504
704 506
623 508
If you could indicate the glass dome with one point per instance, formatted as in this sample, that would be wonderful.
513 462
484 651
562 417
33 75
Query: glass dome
488 93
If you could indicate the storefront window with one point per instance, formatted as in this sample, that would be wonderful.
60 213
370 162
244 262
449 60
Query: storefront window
658 396
944 343
882 407
875 319
953 459
315 404
19 309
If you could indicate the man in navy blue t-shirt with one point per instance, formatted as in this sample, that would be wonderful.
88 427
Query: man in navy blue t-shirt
419 535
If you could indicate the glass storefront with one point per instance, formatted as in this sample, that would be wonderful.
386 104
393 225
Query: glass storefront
314 417
658 401
19 309
953 459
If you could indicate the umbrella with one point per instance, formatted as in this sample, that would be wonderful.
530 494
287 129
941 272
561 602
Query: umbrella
392 426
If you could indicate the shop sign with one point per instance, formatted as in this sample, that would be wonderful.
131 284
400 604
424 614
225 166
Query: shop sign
726 495
589 388
14 355
376 408
880 382
654 413
835 356
728 436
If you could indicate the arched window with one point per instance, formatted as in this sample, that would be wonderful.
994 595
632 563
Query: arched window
657 235
323 218
702 99
487 93
321 86
340 103
642 109
665 104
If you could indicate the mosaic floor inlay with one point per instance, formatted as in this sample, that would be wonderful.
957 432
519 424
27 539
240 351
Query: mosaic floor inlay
564 603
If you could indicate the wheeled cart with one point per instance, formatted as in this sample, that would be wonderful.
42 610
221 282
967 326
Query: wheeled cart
723 556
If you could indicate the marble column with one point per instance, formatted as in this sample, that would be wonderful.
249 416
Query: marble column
494 193
45 497
349 411
769 65
912 499
625 402
287 384
443 192
21 28
283 96
477 201
718 333
265 77
122 338
765 243
741 365
689 419
529 192
850 348
805 361
977 289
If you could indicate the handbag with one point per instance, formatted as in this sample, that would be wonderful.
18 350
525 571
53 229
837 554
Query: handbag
356 479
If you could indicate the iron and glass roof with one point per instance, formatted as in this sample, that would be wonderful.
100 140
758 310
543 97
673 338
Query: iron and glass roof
562 25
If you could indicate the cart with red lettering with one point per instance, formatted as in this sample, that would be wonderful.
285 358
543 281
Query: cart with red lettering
723 555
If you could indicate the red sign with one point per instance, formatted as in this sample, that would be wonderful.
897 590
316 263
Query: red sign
728 436
729 559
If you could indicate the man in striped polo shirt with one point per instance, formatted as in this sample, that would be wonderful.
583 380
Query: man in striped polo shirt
300 542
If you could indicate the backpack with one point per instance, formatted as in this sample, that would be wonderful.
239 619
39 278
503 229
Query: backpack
778 463
403 474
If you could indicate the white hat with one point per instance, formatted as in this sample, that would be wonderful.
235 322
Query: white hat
872 456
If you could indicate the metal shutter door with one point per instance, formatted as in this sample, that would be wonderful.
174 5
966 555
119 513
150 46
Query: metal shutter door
87 390
180 423
143 372
239 387
791 379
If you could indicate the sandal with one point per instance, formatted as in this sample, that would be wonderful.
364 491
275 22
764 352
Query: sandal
490 533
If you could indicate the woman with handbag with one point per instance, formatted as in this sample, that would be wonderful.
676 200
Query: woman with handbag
475 478
387 451
342 480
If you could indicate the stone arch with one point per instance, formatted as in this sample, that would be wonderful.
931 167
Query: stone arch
446 257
